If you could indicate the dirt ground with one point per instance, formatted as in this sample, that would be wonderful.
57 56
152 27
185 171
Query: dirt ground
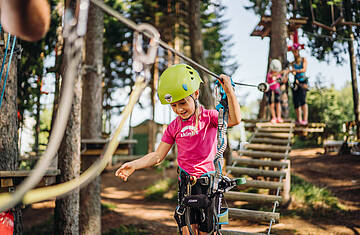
340 174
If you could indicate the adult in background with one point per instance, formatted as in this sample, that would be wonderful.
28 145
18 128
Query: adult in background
300 86
27 19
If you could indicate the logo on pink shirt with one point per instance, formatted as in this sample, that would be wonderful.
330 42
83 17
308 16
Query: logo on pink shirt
188 131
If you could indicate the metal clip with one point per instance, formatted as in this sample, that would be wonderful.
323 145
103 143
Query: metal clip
142 60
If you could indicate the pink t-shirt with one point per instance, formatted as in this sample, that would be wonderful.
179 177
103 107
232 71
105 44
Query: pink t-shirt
273 78
196 149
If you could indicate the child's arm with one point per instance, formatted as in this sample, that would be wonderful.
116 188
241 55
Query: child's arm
148 160
234 107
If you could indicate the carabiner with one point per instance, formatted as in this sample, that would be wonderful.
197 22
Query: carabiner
142 59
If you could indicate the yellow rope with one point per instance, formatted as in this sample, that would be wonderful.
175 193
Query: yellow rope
40 194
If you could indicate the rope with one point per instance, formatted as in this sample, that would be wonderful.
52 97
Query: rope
8 68
73 53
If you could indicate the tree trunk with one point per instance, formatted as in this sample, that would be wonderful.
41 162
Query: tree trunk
8 132
197 51
90 203
66 214
278 48
354 84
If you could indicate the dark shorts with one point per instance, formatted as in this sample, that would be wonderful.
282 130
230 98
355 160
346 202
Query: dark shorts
299 96
273 96
203 217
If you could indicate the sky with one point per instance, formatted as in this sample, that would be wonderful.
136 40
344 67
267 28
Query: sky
251 55
252 52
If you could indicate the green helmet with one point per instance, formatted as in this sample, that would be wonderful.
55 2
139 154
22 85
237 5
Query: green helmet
177 82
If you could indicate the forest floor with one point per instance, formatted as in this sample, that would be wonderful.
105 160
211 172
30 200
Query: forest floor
339 174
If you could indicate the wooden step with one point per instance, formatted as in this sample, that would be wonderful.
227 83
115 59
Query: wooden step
277 125
252 197
255 172
257 162
267 147
263 184
273 135
232 232
261 154
271 129
259 216
269 141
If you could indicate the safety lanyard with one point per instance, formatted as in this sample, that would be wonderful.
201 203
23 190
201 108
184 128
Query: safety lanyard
9 64
223 109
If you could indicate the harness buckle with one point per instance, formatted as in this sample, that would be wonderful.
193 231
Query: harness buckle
180 210
193 180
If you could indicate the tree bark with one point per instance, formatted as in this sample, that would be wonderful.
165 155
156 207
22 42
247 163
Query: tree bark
355 89
8 132
278 47
90 203
197 51
66 214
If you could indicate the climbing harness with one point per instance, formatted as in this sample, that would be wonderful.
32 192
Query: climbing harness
9 64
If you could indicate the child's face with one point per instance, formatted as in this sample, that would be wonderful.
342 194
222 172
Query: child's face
184 108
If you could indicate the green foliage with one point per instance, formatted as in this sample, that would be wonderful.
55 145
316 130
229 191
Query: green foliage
332 107
107 207
310 197
162 189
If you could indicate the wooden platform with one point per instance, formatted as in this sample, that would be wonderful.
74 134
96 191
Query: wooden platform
251 124
94 147
9 179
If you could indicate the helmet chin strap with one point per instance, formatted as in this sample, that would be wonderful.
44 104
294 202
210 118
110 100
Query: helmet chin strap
196 107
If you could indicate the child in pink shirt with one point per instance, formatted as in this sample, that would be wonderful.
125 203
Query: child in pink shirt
274 93
194 131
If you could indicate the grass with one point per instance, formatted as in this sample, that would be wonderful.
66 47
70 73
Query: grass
165 188
309 200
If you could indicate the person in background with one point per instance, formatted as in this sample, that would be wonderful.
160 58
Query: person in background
27 19
300 86
274 78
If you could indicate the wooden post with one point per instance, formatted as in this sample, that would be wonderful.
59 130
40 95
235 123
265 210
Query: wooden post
287 185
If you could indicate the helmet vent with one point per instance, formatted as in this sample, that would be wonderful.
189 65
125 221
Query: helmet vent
188 67
192 78
190 72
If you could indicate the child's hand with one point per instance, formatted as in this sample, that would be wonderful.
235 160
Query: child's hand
125 171
225 82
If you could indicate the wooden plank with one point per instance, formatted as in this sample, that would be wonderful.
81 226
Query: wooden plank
267 147
261 154
252 197
97 152
274 135
232 232
269 141
259 216
274 130
12 174
255 172
104 141
257 162
263 184
286 125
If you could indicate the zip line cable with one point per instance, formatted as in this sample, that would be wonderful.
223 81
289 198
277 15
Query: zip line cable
131 24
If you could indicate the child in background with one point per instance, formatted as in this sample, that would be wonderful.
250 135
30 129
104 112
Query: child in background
274 93
194 131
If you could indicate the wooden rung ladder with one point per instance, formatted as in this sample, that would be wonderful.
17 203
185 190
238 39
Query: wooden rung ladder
264 162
